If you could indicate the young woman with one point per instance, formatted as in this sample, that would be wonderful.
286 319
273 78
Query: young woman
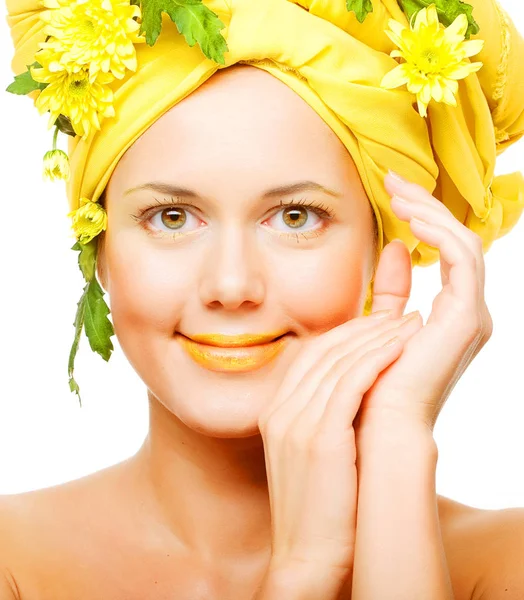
290 449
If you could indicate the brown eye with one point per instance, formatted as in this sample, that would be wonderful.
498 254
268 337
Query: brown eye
173 218
297 216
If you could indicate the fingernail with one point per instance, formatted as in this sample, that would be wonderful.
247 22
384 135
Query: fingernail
381 314
420 221
409 316
399 199
392 341
397 176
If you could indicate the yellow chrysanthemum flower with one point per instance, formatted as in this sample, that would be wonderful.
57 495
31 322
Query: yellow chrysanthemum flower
97 33
434 57
56 165
73 93
88 220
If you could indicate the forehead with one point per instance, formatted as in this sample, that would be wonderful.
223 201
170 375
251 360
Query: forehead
240 121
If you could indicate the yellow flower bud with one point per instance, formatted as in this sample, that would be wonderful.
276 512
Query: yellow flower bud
88 220
56 165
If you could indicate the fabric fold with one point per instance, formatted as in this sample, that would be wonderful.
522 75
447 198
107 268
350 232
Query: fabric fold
335 64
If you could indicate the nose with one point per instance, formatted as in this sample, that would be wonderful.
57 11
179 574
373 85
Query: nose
233 271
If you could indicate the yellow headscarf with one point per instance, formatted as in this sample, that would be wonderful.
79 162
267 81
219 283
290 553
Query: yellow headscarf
336 64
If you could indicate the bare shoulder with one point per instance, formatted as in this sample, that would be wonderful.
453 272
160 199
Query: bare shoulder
45 531
485 550
8 586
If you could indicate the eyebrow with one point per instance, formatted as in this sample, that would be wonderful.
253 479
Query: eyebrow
301 186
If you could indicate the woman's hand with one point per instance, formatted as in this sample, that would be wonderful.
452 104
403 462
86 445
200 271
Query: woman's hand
416 386
309 445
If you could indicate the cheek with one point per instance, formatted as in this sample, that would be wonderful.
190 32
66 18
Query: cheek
318 288
323 290
147 290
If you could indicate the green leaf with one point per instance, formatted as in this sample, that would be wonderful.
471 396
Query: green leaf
447 11
25 84
361 7
78 323
98 327
87 258
194 20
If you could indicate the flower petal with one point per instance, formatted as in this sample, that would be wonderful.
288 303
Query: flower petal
462 70
425 94
421 18
436 90
422 106
457 30
395 38
472 47
448 97
396 27
396 77
450 84
432 18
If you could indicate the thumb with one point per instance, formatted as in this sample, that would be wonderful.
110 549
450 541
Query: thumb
392 286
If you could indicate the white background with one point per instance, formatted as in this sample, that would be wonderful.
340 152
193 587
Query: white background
47 439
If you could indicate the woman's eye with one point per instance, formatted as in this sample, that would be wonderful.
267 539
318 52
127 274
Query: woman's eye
172 219
295 217
290 219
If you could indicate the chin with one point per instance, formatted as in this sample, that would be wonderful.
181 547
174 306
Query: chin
223 407
213 403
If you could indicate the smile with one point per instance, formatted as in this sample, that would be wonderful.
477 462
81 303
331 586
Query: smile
238 359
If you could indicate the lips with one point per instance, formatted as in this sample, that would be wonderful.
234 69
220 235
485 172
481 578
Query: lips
243 353
235 341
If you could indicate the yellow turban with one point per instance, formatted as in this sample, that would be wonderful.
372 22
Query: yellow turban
336 64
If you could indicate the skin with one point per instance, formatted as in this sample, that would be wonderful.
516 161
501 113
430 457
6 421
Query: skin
201 469
190 510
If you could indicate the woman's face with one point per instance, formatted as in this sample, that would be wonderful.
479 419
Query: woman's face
235 261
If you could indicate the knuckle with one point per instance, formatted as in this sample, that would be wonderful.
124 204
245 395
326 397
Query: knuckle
469 257
331 355
298 438
321 445
476 240
262 422
460 312
354 379
275 429
488 327
344 364
369 358
470 327
310 348
266 419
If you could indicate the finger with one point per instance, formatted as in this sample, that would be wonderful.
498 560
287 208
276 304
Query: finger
294 397
346 398
435 212
314 404
392 285
459 260
413 192
318 346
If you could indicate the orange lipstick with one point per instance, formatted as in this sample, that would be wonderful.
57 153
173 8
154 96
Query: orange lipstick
233 353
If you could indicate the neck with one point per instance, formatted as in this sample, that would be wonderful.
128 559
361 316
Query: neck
210 494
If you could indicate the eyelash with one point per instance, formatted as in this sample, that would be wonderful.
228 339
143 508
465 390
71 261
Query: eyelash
145 214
